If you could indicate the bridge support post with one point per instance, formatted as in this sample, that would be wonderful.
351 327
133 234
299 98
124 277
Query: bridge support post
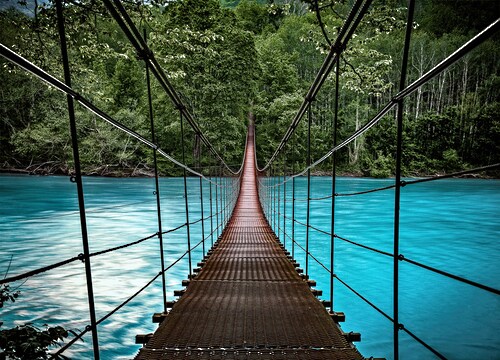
284 197
271 199
211 212
157 185
308 214
293 201
278 213
202 217
334 174
397 195
217 204
77 178
221 223
186 200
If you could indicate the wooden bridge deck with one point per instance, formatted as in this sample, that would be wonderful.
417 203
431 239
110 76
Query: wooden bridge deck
248 301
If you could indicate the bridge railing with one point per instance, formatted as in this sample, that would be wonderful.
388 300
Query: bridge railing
283 198
209 190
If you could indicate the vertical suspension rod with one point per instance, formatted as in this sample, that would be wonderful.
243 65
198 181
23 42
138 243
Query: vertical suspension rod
186 200
217 202
157 185
202 216
275 198
293 200
269 198
78 179
211 214
219 214
226 195
334 177
278 189
308 214
397 195
284 197
222 201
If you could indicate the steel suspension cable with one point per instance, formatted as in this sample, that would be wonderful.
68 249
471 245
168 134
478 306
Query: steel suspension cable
57 84
90 327
401 257
448 61
409 182
355 16
81 257
375 307
119 13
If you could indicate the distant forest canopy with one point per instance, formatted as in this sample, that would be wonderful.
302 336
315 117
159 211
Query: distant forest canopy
232 59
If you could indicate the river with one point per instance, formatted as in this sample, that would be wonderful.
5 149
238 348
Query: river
452 225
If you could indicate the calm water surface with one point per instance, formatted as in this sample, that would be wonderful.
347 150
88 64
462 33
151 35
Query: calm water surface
453 225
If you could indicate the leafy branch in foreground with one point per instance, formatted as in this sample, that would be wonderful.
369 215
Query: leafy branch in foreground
7 295
27 341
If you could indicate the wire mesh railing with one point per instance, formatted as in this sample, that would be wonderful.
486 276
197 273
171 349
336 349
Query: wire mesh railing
208 202
278 179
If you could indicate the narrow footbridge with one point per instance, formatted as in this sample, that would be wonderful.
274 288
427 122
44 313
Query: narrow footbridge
248 300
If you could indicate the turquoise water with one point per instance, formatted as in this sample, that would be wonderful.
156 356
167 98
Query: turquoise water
453 225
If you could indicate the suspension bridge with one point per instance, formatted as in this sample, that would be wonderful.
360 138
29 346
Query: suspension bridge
248 298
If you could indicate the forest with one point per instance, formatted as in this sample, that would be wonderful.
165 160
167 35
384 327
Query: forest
232 60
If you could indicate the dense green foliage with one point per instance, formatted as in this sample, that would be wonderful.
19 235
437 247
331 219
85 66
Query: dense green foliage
230 59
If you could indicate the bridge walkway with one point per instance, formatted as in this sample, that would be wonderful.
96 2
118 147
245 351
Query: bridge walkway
248 301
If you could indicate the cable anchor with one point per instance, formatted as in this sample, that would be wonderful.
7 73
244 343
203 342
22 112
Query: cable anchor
144 54
338 48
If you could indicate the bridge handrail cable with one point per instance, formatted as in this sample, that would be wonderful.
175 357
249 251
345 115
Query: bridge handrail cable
122 18
478 39
56 83
355 16
403 183
400 257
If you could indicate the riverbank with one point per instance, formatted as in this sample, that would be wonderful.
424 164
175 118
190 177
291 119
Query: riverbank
113 172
